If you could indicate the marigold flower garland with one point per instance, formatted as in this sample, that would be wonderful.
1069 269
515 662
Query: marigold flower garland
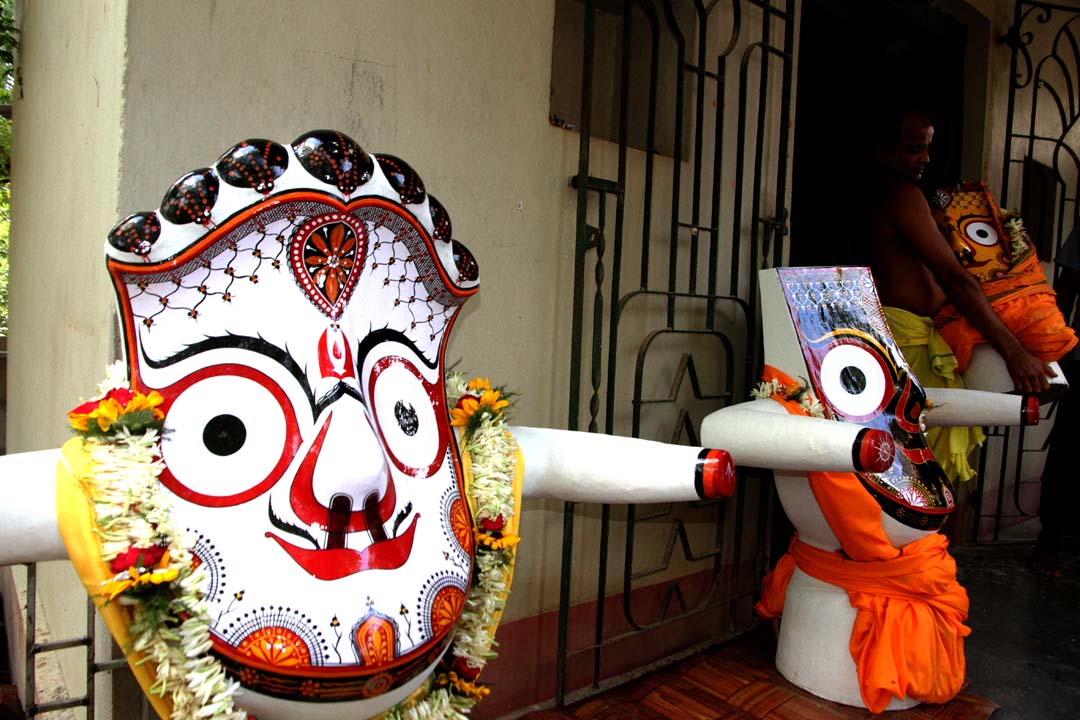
151 562
477 408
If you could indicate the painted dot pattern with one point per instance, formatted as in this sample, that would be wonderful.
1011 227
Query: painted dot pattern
253 164
191 198
334 158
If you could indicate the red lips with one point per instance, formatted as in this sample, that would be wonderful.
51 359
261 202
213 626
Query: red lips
342 562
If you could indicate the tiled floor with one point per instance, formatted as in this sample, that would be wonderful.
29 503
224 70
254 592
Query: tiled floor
736 681
1023 661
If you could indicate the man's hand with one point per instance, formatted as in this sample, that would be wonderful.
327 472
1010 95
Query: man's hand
1029 374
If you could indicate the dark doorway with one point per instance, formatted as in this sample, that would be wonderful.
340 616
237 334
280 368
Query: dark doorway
854 58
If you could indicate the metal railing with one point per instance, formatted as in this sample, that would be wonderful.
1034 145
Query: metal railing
680 326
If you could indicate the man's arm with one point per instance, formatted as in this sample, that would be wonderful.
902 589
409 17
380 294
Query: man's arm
910 215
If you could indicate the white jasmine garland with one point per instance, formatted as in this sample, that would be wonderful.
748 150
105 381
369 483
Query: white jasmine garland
810 404
1014 227
131 511
492 453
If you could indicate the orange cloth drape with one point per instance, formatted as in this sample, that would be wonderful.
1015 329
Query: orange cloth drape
907 640
1026 304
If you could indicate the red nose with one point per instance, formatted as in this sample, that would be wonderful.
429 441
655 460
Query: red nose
1029 411
873 450
714 476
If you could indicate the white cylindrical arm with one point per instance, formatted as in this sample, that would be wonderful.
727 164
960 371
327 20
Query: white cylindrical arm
761 433
591 467
28 530
956 408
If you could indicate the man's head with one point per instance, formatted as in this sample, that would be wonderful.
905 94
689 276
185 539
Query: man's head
902 145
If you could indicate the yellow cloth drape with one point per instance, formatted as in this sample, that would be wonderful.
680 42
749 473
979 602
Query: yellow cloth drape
75 514
933 362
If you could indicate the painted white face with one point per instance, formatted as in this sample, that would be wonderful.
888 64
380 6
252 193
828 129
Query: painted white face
294 318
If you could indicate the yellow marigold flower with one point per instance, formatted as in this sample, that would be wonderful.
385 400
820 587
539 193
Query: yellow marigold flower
146 402
506 542
459 416
112 588
108 410
490 399
469 689
479 384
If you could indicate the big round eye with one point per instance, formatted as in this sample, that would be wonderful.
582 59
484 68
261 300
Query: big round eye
982 233
230 432
403 404
854 381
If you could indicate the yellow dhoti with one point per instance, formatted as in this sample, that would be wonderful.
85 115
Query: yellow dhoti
933 362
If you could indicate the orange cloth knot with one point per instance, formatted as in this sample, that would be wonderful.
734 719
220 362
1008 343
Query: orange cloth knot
907 640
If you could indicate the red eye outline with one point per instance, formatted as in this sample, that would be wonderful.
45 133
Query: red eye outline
288 451
442 424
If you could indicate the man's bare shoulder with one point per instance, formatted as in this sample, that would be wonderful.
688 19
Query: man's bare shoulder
900 197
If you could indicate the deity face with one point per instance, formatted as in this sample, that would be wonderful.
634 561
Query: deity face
859 374
971 222
292 306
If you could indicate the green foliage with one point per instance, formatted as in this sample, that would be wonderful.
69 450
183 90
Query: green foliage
9 43
5 226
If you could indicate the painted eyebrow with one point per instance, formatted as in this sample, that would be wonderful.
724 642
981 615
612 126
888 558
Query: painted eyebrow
378 337
240 342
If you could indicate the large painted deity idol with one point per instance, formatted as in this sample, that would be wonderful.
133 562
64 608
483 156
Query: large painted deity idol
291 306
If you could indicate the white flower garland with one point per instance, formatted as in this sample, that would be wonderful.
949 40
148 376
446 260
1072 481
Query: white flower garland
492 452
767 388
1014 226
131 511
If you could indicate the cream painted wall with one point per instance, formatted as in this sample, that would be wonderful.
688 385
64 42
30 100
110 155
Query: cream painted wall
68 114
458 90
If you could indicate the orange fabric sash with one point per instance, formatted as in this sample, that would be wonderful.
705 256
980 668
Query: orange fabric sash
1026 304
907 640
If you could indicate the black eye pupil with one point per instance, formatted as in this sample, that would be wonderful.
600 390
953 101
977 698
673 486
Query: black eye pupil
982 233
853 379
406 418
224 435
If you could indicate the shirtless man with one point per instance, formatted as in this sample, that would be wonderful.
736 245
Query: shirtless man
914 267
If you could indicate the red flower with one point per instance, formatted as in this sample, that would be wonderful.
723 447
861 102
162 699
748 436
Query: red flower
493 524
137 557
120 395
464 670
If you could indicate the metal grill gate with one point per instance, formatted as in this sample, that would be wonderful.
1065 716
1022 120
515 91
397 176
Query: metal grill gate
1042 134
687 326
